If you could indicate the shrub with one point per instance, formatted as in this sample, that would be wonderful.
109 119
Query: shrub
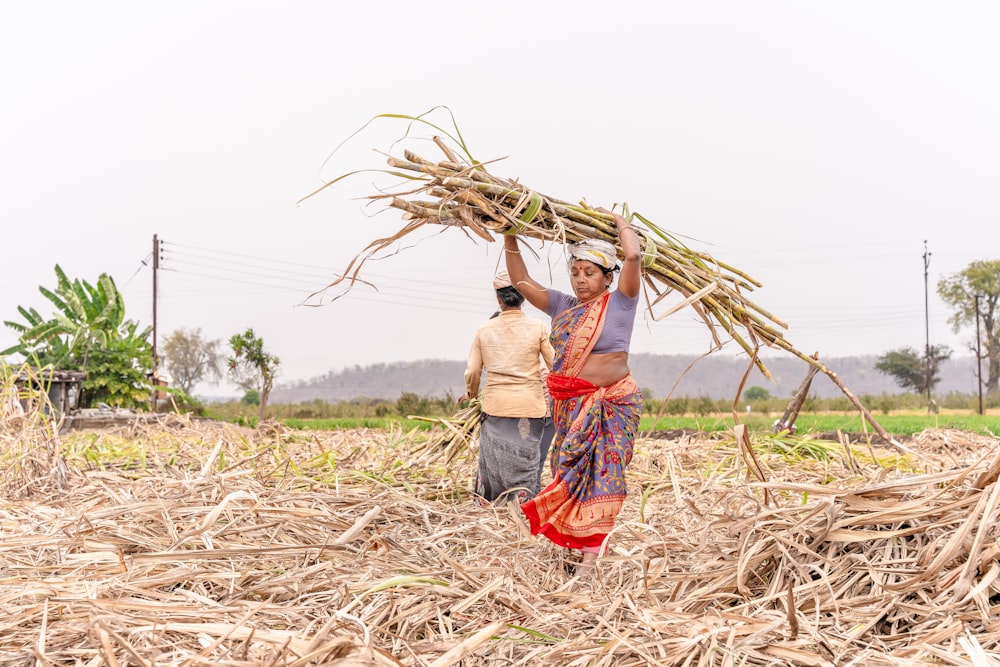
703 405
410 403
677 406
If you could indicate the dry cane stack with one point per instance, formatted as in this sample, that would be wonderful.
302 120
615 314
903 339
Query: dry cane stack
460 193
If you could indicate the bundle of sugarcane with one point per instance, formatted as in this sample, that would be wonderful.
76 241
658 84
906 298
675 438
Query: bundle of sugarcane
460 192
456 435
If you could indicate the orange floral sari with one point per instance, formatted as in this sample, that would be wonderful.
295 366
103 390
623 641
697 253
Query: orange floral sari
595 433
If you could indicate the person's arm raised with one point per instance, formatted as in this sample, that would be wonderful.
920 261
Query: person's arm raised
533 291
630 280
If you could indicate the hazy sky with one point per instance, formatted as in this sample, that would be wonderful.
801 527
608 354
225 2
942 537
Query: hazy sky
815 146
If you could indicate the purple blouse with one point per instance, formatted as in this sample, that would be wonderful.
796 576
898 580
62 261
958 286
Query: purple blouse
618 323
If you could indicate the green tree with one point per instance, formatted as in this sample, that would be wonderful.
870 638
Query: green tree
910 369
190 359
89 333
959 291
756 393
250 367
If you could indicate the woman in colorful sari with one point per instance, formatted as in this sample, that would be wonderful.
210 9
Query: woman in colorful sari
596 404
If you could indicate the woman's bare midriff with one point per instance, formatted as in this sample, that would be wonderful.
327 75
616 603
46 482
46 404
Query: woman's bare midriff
604 370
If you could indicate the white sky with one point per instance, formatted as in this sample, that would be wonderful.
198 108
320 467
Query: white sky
815 146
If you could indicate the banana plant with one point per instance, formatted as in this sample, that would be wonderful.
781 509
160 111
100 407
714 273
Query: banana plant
86 316
88 320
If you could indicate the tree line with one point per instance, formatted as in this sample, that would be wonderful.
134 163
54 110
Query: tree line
88 331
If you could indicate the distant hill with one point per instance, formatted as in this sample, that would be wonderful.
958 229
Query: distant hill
715 376
427 377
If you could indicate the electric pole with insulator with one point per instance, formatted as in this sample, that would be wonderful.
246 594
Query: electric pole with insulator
927 329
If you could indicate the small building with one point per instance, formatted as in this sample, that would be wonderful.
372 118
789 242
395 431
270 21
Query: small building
61 387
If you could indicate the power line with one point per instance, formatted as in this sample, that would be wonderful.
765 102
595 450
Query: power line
354 295
310 283
144 262
323 279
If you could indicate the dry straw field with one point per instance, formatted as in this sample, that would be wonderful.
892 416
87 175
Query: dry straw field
179 542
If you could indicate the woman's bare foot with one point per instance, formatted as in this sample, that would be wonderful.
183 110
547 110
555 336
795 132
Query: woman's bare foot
586 565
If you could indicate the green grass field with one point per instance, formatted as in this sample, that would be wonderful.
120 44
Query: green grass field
903 424
898 424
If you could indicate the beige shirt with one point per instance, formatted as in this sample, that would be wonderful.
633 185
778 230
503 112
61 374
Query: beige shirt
508 347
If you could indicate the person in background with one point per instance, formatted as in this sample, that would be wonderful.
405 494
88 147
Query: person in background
514 437
596 404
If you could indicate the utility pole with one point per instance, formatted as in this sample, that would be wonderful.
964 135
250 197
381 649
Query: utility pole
927 329
156 270
979 360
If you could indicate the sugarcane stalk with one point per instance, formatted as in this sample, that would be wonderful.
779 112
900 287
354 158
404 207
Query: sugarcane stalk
821 367
473 199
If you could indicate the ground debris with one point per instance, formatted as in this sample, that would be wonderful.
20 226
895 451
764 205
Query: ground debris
182 540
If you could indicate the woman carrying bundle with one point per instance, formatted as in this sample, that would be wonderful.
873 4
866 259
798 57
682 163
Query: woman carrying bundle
596 403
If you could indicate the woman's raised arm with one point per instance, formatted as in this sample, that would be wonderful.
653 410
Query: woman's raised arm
533 291
630 280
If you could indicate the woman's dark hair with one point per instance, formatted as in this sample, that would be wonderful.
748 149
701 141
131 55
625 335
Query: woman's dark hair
510 297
